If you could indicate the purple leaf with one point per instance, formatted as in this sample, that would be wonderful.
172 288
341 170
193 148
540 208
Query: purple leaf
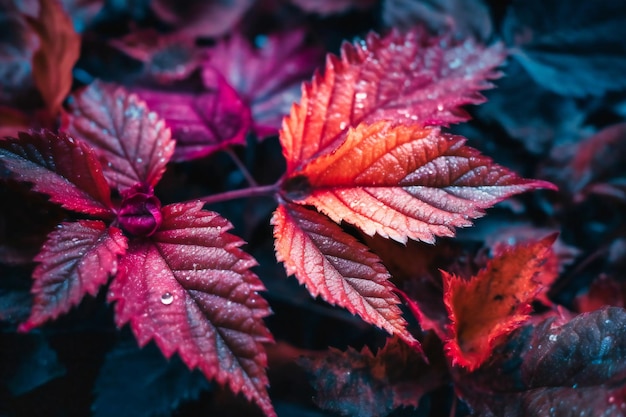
131 141
60 167
201 18
77 259
267 75
190 289
202 122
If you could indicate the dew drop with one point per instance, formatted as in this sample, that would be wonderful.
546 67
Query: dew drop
553 337
342 125
440 107
167 298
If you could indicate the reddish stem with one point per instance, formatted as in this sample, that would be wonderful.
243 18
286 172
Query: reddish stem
258 191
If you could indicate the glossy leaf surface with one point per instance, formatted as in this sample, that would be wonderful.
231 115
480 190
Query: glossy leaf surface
133 142
190 289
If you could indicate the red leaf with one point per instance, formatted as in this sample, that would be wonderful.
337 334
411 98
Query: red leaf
77 259
495 302
60 167
132 141
190 289
267 76
202 122
58 52
407 78
335 266
406 182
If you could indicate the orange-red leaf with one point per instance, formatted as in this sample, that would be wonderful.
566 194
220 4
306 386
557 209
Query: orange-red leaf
405 182
335 266
409 78
495 301
58 52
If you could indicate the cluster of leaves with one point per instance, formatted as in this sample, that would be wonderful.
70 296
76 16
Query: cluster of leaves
369 185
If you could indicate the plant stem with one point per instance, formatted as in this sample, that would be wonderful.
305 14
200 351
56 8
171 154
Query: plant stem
249 178
257 191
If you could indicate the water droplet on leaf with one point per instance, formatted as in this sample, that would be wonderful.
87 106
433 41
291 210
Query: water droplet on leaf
167 298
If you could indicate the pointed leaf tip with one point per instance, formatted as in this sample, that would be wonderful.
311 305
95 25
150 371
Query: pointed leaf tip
133 143
494 302
338 268
189 288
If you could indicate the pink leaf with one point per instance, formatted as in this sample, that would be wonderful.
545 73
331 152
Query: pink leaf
202 122
60 167
77 259
409 78
132 141
267 76
190 289
335 266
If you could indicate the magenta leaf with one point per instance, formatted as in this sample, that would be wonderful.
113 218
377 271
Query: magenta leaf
190 289
60 167
267 75
77 259
202 122
140 211
132 141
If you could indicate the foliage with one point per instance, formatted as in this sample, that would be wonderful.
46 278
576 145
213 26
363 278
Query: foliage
139 141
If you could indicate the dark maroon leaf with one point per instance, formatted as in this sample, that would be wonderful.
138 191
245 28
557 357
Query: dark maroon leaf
167 58
190 289
360 384
60 167
132 142
573 368
76 260
267 75
202 122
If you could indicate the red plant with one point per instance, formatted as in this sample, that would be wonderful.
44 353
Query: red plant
364 147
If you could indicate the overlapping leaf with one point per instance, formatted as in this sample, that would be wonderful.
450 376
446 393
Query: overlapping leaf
58 52
409 78
335 266
76 260
360 384
494 302
267 76
407 182
204 121
133 143
60 167
558 368
190 289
